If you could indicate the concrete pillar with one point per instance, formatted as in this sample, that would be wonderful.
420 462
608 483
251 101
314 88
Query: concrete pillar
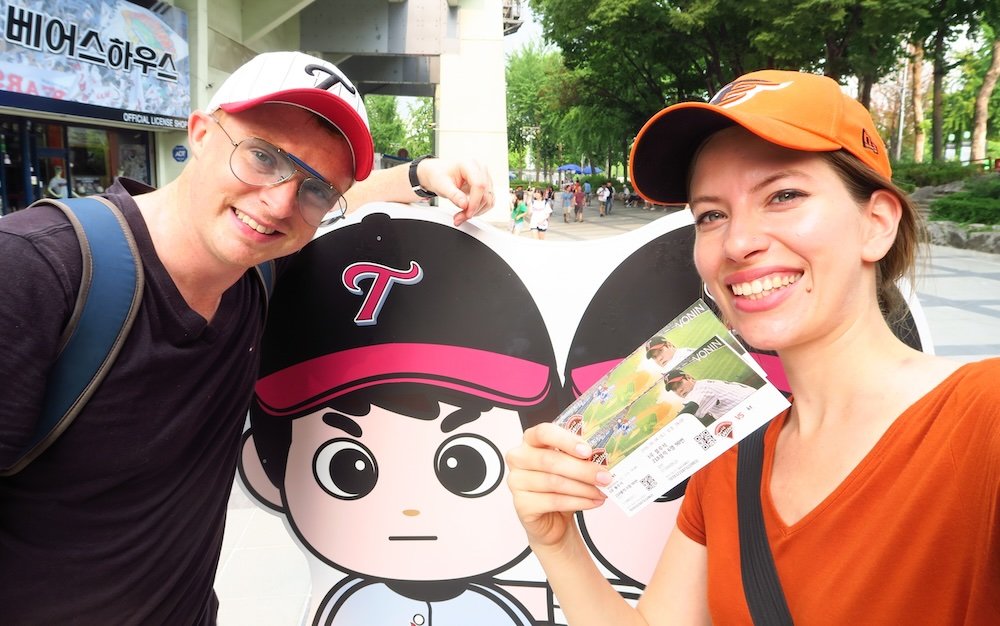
472 96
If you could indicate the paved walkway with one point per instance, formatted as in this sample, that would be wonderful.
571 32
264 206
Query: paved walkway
263 577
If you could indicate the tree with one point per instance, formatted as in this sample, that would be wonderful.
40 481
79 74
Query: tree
626 59
636 56
420 128
388 130
917 101
535 104
985 93
943 22
862 38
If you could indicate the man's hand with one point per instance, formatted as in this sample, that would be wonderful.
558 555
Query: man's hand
465 182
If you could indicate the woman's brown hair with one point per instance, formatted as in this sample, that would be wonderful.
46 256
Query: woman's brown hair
900 261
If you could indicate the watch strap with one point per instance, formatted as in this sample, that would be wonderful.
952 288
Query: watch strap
415 181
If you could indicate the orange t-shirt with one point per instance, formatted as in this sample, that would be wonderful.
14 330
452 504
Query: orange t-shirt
912 535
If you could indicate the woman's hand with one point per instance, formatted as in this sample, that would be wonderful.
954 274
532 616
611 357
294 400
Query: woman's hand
551 477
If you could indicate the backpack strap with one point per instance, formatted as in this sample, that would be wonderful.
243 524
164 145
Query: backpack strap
761 584
106 306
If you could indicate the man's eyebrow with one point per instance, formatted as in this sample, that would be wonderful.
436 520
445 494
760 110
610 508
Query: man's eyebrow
458 418
344 423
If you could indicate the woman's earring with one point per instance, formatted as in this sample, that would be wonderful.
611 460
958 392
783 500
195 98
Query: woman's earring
708 293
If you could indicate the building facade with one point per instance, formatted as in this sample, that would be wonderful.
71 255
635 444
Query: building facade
94 89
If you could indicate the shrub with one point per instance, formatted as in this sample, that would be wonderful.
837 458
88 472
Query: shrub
932 174
983 186
978 203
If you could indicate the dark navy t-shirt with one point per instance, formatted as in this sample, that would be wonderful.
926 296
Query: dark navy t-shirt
121 520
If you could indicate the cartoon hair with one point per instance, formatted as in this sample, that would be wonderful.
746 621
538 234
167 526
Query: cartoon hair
414 306
655 284
652 286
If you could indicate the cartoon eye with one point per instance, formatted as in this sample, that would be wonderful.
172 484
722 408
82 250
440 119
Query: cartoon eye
469 465
345 469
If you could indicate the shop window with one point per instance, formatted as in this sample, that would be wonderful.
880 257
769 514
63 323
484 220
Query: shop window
130 154
13 185
89 158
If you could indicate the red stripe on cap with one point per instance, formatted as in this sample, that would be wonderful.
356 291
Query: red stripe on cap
496 377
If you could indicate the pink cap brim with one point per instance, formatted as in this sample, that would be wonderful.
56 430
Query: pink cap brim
496 377
333 109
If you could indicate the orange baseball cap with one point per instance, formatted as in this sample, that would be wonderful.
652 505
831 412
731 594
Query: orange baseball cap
795 110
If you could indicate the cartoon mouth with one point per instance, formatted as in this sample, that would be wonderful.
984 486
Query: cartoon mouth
412 537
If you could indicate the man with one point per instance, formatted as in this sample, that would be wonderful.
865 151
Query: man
579 198
665 353
120 521
602 199
707 399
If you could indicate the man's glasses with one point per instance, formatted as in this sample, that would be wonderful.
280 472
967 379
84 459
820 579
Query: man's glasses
261 163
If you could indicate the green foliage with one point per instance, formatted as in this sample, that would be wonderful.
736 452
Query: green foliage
420 128
536 80
618 62
911 175
388 130
966 210
977 203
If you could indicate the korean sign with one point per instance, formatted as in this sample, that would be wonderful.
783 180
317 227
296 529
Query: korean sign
107 59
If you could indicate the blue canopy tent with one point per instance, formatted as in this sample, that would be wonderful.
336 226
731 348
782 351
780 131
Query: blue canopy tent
588 170
570 167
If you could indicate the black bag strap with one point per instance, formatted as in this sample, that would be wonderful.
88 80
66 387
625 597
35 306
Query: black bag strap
760 578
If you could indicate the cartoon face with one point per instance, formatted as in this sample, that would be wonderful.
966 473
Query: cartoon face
391 496
612 536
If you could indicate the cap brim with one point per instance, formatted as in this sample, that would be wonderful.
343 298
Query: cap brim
333 109
499 378
665 146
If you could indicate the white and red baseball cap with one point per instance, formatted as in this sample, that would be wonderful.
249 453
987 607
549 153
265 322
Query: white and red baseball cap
305 81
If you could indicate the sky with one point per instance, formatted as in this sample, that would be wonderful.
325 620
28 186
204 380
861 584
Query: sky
530 30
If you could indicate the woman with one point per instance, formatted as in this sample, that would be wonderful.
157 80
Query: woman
880 484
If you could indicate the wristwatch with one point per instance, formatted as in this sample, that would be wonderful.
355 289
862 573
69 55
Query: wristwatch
415 182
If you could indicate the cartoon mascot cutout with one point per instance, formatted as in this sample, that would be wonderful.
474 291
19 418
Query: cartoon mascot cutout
387 399
403 357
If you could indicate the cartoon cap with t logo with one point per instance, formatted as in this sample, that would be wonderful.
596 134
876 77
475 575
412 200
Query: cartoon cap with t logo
387 303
